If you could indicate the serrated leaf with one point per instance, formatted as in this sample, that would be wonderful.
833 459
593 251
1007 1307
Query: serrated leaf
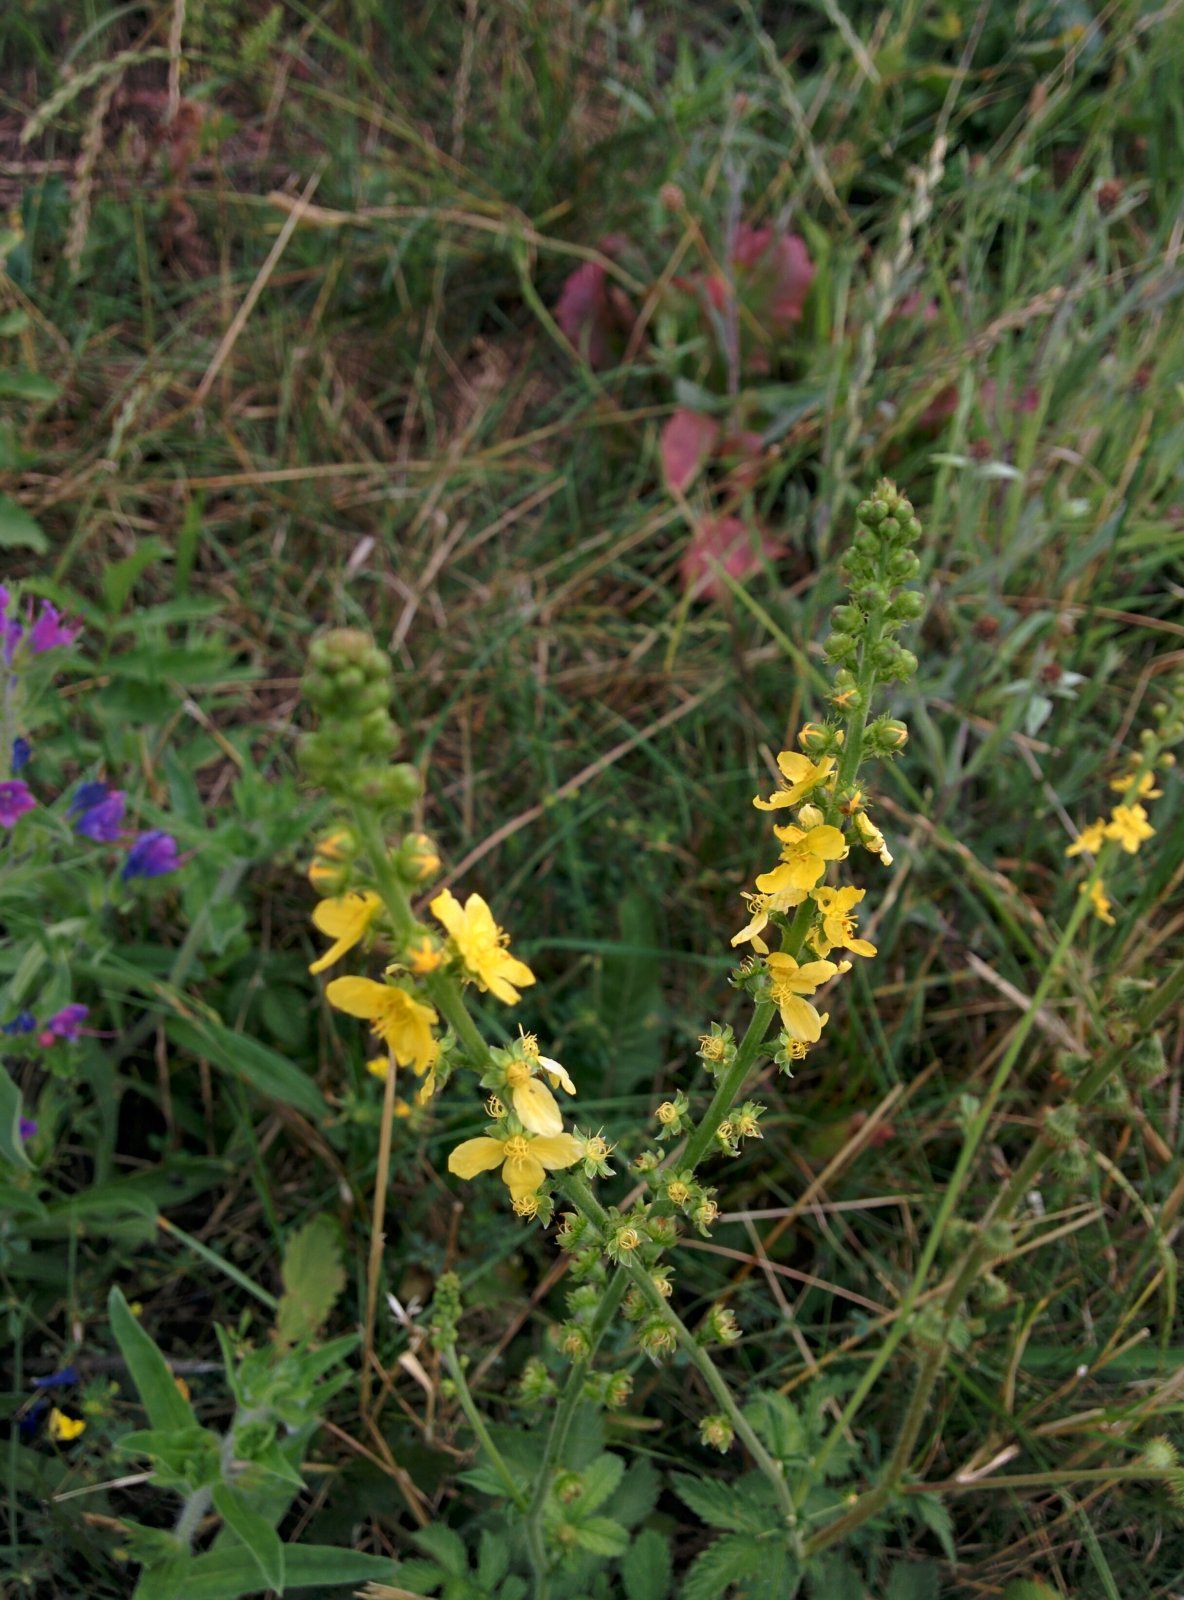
599 1478
18 530
645 1571
257 1535
729 1560
779 1425
445 1547
933 1512
835 1579
910 1580
493 1558
638 1493
600 1536
721 1505
313 1278
166 1406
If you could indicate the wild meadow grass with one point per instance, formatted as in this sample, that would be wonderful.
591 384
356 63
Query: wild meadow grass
282 351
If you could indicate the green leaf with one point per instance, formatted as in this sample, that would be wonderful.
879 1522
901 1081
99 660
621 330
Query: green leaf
265 1070
601 1536
721 1505
13 322
1029 1589
445 1547
638 1493
645 1570
313 1278
599 1478
778 1423
932 1511
257 1535
119 579
18 530
12 1146
493 1558
166 1407
832 1578
20 384
727 1561
910 1580
229 1574
631 994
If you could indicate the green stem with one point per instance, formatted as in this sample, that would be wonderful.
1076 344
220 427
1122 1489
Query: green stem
557 1436
477 1423
386 880
581 1196
450 1001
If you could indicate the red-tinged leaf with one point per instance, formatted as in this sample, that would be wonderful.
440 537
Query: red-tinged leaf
728 543
779 272
688 439
588 311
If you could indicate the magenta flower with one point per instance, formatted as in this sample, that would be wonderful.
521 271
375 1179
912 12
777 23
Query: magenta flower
27 1128
64 1024
15 800
151 856
49 630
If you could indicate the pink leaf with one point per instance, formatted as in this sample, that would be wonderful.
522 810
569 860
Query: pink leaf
779 269
688 439
586 310
728 542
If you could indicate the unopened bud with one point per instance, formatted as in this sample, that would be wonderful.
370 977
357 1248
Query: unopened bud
716 1433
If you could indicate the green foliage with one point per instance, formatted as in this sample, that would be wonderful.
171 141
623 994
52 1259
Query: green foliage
314 1278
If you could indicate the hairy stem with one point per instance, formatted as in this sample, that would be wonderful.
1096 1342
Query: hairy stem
477 1423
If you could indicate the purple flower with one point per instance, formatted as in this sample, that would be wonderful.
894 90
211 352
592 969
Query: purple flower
102 822
23 1022
10 628
86 796
21 752
15 800
64 1379
49 630
151 856
64 1024
27 1127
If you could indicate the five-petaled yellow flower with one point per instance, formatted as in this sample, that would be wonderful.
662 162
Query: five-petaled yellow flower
347 920
1090 838
482 945
524 1161
801 775
64 1428
1129 825
1146 788
838 925
403 1023
789 981
804 856
761 907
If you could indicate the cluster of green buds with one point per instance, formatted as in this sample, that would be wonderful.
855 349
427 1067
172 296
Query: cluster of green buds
878 562
348 683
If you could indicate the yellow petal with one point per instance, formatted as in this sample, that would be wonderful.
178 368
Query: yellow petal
501 972
803 873
826 842
816 972
800 1019
523 1175
558 1150
476 1155
357 997
537 1108
64 1428
379 1066
347 914
861 947
557 1073
775 802
446 909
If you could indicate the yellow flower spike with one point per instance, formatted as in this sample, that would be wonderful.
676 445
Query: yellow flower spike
1099 902
838 925
1129 825
347 920
481 945
535 1105
789 981
524 1162
1146 789
1091 838
804 856
402 1023
64 1428
801 775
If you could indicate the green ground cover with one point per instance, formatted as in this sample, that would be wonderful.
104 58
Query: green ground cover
279 350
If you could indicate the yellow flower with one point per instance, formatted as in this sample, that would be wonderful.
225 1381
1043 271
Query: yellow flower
481 944
347 920
1099 903
525 1162
761 908
1129 825
64 1428
558 1074
1146 789
789 981
1090 838
801 775
403 1024
838 925
803 858
537 1109
423 955
870 837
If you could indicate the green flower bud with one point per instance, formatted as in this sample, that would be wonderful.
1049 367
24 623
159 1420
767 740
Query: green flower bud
1061 1124
1146 1061
617 1389
657 1339
716 1433
446 1309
